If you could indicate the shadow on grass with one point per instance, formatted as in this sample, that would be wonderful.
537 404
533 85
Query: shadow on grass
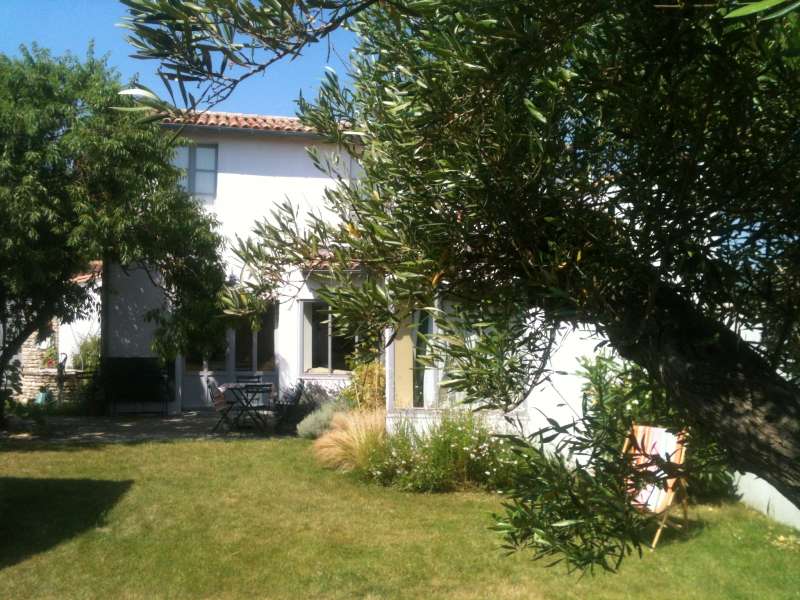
677 531
38 514
61 445
82 433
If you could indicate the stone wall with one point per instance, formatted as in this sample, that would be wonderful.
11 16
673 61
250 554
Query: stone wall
34 381
32 355
36 374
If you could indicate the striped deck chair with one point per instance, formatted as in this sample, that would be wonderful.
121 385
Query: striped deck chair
648 445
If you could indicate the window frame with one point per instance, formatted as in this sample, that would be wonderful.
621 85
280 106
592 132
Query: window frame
423 324
231 347
307 305
254 346
192 170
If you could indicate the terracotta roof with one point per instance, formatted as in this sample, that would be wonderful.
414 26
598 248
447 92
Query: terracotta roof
95 271
241 121
323 261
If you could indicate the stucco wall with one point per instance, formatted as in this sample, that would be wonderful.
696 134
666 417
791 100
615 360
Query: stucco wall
763 497
560 397
557 398
70 335
255 174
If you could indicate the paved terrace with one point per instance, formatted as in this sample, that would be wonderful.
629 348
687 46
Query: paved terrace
93 430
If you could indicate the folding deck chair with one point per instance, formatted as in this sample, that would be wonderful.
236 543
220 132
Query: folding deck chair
651 446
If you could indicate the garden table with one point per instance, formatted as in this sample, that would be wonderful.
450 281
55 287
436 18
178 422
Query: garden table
245 395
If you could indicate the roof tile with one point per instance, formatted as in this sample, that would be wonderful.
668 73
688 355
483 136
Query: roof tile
241 121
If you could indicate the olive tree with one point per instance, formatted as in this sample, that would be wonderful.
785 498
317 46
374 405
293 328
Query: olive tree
625 165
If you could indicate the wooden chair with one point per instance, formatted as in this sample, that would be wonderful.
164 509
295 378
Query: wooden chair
223 405
656 450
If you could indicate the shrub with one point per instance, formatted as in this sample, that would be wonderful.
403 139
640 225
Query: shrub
457 452
319 421
87 357
351 440
50 356
311 396
30 411
367 388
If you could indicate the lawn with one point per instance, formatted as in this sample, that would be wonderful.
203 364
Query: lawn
259 519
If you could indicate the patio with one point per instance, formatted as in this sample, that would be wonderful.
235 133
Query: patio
127 429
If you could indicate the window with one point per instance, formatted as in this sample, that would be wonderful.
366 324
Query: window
323 351
199 164
422 374
249 350
255 351
215 361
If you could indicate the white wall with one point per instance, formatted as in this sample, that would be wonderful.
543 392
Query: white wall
560 396
256 173
760 495
70 335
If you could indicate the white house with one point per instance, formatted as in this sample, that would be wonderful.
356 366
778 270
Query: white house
240 168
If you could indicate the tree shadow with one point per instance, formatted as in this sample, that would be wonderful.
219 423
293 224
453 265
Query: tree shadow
38 514
82 433
677 531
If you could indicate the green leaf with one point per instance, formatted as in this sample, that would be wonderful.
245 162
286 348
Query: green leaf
139 93
782 11
567 523
534 111
753 7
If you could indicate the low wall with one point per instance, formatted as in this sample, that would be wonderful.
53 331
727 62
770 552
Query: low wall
422 419
758 494
754 491
33 380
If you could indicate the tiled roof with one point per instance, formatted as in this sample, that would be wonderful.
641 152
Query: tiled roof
323 260
241 121
95 271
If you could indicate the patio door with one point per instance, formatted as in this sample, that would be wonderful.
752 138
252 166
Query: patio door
254 350
248 353
198 371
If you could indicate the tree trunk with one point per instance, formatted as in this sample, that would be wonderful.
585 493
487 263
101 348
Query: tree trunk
3 393
726 388
10 348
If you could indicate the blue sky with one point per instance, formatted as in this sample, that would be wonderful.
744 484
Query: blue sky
62 25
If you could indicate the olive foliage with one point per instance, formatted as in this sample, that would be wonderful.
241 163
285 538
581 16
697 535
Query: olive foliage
531 164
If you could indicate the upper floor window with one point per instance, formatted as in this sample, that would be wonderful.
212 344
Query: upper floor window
199 165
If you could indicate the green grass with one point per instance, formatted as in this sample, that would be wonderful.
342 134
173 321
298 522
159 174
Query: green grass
259 519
